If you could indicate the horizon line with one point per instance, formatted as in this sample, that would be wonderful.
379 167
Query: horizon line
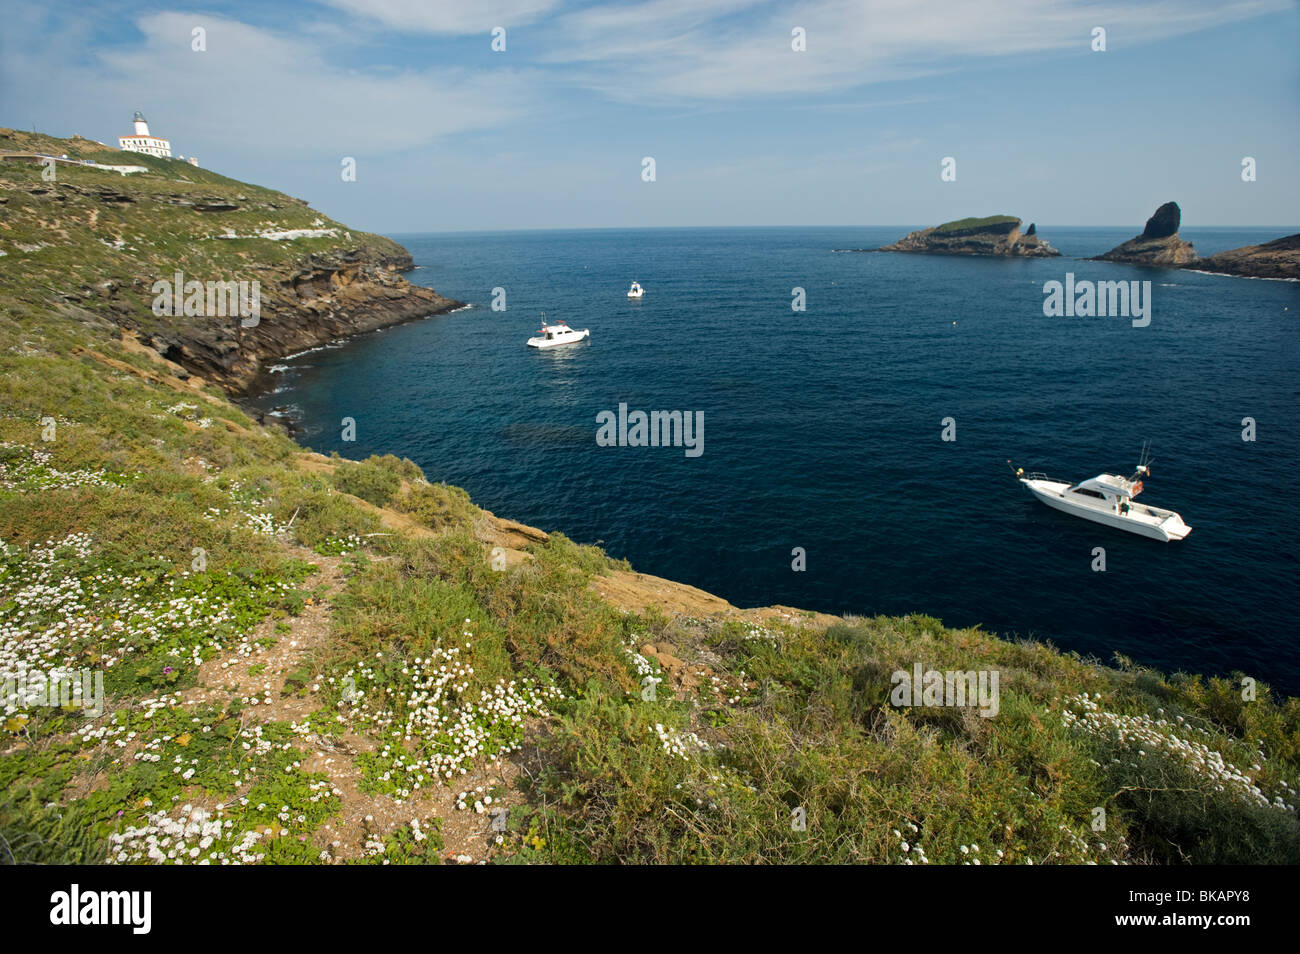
1286 229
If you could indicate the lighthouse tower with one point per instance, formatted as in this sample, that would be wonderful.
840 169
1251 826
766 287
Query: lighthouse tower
141 141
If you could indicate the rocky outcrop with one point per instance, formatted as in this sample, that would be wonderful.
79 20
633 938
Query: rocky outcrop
1158 245
998 235
1164 223
1277 259
327 297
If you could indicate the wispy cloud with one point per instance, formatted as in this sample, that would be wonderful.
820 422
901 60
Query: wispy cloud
274 93
664 50
447 16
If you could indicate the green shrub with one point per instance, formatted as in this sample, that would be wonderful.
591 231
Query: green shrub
369 479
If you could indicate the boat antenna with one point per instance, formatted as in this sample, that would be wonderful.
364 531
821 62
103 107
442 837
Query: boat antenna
1144 461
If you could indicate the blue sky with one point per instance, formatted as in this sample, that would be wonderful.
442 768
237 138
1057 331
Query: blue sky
551 132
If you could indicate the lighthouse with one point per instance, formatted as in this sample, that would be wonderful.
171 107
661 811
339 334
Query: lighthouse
141 141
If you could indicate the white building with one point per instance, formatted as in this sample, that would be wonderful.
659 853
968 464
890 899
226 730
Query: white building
141 141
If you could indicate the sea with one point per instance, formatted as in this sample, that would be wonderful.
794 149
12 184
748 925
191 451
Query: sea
824 480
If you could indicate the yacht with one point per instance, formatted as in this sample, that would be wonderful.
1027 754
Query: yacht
1109 499
635 291
552 336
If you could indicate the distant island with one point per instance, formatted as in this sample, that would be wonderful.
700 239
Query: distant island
997 235
1158 246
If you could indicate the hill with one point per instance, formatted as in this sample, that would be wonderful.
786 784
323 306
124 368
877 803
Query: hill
96 243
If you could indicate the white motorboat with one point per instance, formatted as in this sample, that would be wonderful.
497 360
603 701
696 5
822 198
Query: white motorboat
635 291
1108 499
552 336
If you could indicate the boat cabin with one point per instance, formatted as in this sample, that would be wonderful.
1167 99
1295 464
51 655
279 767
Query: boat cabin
1113 491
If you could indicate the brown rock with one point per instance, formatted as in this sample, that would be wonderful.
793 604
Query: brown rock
1158 245
1277 259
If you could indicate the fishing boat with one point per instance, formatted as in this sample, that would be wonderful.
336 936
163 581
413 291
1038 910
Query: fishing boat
635 291
1109 499
552 336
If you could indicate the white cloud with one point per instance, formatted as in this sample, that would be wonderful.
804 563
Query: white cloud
447 16
664 50
277 94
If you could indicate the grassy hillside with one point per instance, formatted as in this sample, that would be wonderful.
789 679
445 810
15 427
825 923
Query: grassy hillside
312 660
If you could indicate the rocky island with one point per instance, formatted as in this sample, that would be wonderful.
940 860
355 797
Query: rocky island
998 235
1158 244
1277 259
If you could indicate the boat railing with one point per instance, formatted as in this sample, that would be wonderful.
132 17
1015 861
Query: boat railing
1036 475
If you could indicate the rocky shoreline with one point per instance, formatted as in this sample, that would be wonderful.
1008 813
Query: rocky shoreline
328 296
1278 259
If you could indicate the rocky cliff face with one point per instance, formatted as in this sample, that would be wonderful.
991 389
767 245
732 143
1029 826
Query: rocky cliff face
998 235
1158 244
1277 259
328 296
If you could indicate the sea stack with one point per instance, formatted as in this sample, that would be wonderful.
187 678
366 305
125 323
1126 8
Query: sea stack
1158 244
992 235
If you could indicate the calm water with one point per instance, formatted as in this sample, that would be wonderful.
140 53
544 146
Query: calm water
822 429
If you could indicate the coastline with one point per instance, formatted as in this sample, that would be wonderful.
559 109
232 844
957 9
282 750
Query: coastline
244 589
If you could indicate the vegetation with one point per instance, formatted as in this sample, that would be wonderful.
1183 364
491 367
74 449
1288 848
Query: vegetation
974 224
319 660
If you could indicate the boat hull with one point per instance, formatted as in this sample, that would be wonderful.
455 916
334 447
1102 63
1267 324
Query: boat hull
1156 524
577 336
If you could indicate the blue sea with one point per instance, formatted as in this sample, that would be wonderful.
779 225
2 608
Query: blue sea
822 428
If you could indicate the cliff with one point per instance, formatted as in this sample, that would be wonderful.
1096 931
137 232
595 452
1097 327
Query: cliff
993 235
1277 259
96 243
1158 244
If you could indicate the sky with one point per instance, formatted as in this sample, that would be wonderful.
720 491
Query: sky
551 132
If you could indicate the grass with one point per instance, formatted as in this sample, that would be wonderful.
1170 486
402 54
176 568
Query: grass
156 534
967 224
